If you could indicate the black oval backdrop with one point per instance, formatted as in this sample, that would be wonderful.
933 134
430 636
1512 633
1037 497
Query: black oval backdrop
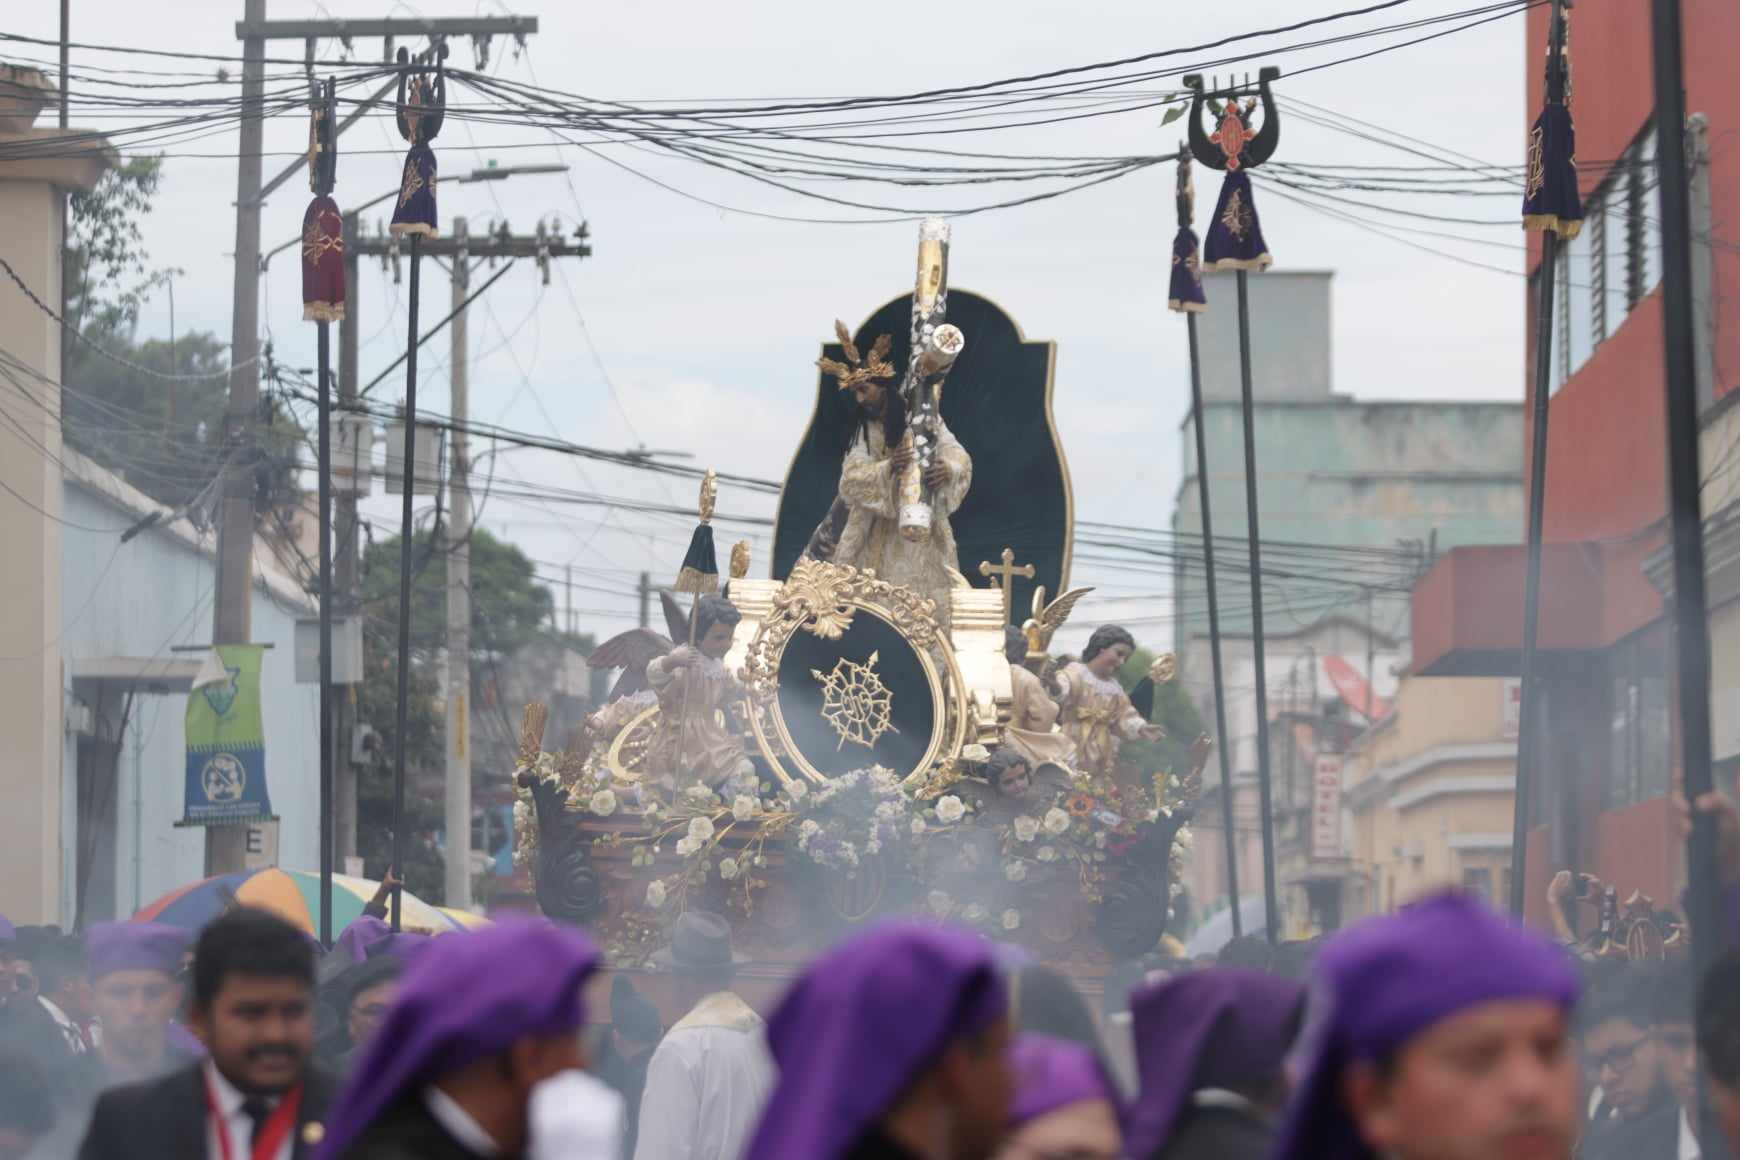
900 670
998 404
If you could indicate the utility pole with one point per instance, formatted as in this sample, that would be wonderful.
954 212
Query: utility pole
463 251
224 845
459 592
234 586
644 590
568 598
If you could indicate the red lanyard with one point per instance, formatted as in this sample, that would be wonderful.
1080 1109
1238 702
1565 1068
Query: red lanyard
272 1134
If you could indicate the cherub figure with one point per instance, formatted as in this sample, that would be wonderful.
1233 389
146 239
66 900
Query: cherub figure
1095 711
694 689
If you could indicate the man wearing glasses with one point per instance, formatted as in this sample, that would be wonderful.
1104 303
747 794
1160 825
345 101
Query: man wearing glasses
1635 1116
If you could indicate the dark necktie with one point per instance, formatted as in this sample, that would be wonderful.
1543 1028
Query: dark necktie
256 1109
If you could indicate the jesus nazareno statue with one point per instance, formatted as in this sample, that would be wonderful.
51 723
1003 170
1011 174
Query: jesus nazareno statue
870 491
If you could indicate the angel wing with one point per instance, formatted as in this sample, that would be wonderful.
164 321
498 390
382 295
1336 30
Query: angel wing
631 652
676 620
1048 618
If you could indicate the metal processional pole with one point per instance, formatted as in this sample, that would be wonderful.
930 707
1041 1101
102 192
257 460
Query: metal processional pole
1186 296
1552 206
422 101
323 303
1235 242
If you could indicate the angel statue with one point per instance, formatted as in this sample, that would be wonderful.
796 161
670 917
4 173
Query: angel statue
1095 711
1032 730
692 739
869 494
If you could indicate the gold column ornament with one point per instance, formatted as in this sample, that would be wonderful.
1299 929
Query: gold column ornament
1003 576
739 559
1164 668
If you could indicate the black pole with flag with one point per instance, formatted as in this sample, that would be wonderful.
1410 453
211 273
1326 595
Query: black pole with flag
1185 296
421 104
1553 208
1235 242
323 304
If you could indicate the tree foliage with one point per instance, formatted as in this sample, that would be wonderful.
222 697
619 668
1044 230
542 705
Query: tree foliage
1173 712
509 609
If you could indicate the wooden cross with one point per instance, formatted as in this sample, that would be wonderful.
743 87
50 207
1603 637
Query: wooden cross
1003 576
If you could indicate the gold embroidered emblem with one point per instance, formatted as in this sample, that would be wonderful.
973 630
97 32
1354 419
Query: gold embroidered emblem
316 245
1236 217
1537 162
413 182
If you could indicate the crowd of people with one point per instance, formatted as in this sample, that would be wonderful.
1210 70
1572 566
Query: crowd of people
1440 1032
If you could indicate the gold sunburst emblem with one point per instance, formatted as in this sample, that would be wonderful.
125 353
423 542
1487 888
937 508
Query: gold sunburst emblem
856 702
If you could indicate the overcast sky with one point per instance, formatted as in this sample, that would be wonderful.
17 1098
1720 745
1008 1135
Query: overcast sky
707 322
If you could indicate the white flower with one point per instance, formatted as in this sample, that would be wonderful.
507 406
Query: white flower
797 790
1185 838
940 903
604 803
950 809
701 829
652 810
809 828
975 752
700 793
655 893
1015 871
973 912
918 826
881 779
1047 854
1177 888
1026 828
686 846
744 807
1011 919
1056 821
1100 840
728 868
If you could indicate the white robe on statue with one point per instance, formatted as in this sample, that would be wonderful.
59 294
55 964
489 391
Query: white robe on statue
706 1084
872 536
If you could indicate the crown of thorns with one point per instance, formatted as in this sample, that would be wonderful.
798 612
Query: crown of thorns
857 369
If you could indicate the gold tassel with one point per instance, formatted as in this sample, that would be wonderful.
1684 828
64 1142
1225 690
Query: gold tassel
537 715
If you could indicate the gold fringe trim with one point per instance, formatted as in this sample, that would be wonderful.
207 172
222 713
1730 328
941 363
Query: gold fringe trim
1184 307
323 312
405 229
1258 263
1566 228
698 582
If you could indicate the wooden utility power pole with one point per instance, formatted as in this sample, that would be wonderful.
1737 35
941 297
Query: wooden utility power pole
463 251
232 596
458 798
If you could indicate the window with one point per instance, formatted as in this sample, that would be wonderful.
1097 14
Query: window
1477 881
1613 263
1639 747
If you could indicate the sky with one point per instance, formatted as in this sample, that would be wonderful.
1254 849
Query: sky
695 328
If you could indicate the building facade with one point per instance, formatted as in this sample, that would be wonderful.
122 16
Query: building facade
1354 498
1429 793
125 609
1598 801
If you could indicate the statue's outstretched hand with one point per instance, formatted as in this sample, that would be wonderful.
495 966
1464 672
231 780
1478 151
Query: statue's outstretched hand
937 475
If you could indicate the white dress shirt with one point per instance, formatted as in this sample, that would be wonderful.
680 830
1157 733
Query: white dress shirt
236 1122
75 1039
459 1123
706 1084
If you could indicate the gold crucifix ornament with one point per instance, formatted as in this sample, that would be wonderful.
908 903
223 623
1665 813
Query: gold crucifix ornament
1003 576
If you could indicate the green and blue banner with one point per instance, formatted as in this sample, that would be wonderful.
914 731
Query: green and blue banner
226 744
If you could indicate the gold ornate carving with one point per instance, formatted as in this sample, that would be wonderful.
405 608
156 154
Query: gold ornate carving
1048 618
627 755
1164 668
822 598
856 702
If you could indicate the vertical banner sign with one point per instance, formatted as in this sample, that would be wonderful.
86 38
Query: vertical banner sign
226 745
1326 806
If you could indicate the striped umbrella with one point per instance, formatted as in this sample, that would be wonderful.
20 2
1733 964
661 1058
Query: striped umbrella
294 895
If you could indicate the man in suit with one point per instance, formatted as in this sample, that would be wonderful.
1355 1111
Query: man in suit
256 1097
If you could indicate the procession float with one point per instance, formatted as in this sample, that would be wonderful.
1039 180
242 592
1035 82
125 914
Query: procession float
882 725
